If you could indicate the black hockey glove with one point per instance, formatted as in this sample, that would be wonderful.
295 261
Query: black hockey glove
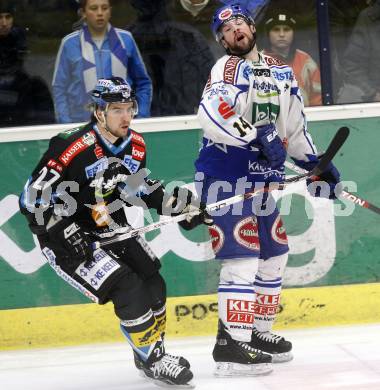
192 221
75 240
179 202
270 145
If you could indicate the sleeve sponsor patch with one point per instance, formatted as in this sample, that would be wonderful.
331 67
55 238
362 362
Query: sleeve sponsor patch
273 61
230 69
137 138
76 147
138 152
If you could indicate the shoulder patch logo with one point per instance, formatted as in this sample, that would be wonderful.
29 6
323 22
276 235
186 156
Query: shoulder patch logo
76 147
230 69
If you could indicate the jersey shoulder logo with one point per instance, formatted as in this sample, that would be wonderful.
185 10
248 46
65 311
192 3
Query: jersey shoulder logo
274 61
230 69
68 133
137 138
76 147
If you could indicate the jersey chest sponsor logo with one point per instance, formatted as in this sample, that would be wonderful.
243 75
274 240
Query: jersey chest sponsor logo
217 237
246 233
240 311
256 72
266 89
97 166
230 69
265 112
110 184
282 75
278 232
76 147
132 165
138 152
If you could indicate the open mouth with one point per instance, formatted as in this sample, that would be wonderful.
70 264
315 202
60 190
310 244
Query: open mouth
239 37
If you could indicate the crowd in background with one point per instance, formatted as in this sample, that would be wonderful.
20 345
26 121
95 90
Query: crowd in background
51 52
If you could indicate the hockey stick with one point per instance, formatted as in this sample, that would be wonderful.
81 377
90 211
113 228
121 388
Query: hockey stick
344 194
336 143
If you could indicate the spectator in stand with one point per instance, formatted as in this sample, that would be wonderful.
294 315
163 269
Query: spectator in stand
282 45
194 6
177 56
24 100
96 50
362 58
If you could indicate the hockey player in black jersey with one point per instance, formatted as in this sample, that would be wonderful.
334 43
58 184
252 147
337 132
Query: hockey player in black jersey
76 195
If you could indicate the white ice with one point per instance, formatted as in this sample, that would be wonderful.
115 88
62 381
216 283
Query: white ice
336 358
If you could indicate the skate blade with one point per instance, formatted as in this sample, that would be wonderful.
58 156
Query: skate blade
228 369
282 357
167 385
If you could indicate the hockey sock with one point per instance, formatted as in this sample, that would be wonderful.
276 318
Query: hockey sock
267 302
236 297
160 316
268 285
143 334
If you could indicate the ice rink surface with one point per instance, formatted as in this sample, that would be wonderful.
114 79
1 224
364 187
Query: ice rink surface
325 358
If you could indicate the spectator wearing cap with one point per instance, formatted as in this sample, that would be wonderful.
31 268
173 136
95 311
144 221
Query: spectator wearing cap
282 45
24 100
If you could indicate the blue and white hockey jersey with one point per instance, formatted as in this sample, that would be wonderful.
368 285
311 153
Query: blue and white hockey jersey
239 96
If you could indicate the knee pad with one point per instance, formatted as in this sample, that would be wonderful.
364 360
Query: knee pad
239 271
157 289
130 297
272 268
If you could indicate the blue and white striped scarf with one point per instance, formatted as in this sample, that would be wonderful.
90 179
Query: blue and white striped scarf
118 56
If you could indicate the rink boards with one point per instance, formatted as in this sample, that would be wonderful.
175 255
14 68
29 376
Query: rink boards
333 270
187 316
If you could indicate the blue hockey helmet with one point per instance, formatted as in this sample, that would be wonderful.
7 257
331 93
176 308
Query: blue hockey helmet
225 14
113 90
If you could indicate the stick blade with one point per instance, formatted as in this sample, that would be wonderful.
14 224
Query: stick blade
336 143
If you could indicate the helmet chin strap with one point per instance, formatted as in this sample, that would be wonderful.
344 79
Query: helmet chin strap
102 119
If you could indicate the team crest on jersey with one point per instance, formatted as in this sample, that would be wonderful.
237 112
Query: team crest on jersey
246 233
217 237
278 232
89 138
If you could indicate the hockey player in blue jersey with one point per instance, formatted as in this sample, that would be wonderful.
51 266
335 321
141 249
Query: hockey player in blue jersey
252 115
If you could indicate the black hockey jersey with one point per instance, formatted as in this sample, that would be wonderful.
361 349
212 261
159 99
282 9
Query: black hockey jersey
76 177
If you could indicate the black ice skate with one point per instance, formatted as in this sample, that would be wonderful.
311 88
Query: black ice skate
275 345
180 360
166 373
237 358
